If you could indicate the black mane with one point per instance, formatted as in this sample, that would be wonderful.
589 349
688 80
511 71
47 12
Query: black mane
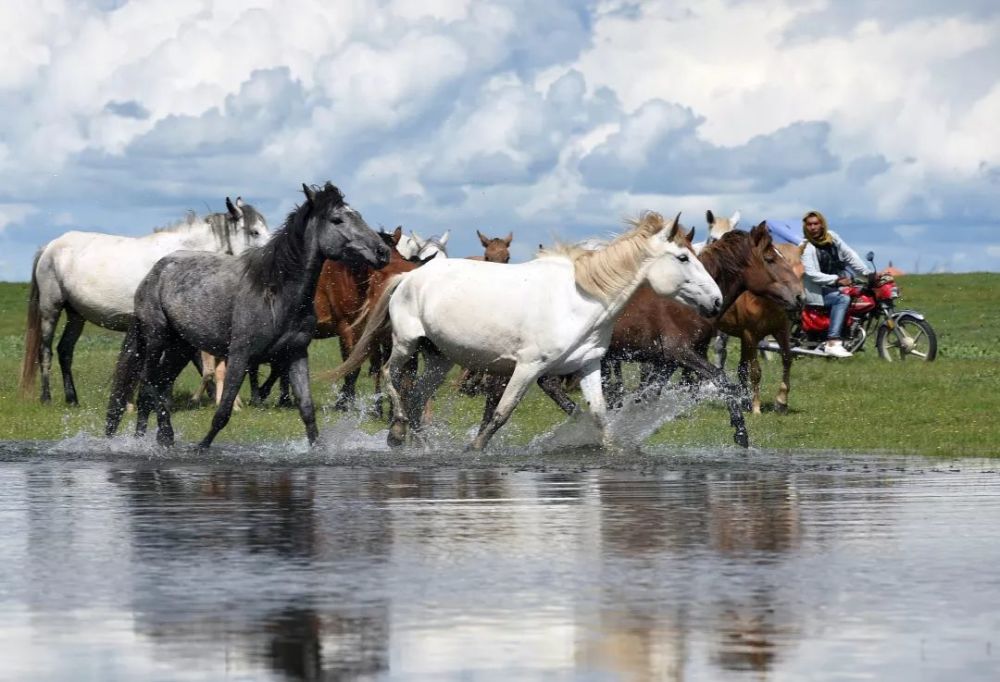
270 265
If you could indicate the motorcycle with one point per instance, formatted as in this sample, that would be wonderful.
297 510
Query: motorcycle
899 334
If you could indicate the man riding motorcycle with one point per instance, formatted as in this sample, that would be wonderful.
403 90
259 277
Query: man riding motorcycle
826 259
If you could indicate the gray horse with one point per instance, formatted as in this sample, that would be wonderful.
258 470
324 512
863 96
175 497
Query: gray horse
254 308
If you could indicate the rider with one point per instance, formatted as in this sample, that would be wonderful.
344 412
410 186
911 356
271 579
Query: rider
825 258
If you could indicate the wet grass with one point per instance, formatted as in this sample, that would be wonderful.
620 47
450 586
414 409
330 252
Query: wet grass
947 407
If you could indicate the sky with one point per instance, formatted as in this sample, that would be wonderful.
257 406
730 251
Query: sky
552 120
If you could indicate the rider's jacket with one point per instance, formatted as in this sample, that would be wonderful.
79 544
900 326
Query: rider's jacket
824 266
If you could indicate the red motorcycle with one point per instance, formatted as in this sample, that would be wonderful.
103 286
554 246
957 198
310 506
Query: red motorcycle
899 334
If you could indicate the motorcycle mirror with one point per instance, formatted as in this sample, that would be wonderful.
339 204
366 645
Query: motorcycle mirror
870 256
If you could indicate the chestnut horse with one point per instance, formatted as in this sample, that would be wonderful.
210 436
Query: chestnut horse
344 295
667 335
752 318
497 249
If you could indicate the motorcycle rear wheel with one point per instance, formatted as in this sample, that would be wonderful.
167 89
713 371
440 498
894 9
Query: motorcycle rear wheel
912 339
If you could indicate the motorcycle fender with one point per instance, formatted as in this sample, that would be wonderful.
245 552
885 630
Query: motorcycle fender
891 322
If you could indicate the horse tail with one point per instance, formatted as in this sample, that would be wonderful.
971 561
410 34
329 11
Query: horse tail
32 334
126 377
376 323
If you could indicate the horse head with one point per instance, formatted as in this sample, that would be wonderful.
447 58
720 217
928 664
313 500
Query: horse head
497 249
771 273
675 270
430 247
342 233
241 220
720 226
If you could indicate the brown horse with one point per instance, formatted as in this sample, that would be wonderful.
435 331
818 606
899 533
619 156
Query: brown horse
754 317
666 335
497 248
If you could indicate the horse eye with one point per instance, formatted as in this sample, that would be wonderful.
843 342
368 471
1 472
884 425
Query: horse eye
683 258
337 220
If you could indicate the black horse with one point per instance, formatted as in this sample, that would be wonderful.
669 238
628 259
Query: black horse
254 308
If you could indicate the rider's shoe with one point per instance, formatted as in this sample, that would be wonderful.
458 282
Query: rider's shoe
837 350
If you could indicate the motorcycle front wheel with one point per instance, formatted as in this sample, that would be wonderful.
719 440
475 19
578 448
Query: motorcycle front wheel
911 338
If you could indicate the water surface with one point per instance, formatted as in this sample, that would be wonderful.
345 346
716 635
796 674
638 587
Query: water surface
122 563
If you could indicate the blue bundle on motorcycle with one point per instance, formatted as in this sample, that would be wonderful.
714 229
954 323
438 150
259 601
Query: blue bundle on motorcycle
784 233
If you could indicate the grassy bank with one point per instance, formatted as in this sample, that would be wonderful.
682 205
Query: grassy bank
862 404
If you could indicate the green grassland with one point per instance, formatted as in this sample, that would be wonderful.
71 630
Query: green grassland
946 407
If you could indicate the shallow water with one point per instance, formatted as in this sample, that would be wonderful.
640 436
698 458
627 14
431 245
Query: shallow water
271 563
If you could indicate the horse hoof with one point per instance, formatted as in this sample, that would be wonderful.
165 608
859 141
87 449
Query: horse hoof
343 404
165 441
742 439
397 434
781 408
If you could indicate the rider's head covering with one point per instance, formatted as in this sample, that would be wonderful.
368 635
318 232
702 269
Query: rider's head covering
824 238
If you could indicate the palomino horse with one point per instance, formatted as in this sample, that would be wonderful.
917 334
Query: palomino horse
664 334
93 277
551 315
754 317
213 373
717 227
257 308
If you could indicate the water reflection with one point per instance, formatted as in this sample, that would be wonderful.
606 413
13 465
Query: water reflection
321 573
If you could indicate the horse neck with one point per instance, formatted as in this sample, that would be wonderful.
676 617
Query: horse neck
199 236
306 279
726 273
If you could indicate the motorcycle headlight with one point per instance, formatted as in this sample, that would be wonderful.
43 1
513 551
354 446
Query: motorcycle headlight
894 292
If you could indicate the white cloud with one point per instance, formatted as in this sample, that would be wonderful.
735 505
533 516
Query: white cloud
993 250
14 213
910 231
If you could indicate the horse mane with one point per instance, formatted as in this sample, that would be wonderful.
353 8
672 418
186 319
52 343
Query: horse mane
221 224
269 266
605 272
727 254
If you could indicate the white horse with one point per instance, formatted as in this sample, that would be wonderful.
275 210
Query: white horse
413 247
93 277
552 315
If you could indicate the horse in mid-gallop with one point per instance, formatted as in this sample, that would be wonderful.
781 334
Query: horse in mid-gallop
753 317
664 335
93 277
256 308
551 315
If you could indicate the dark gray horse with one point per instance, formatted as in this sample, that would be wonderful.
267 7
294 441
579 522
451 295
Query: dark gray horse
254 308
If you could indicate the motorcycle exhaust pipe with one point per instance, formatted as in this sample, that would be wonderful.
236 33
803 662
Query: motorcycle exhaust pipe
775 348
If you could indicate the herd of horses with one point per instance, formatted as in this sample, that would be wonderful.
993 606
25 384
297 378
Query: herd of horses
227 294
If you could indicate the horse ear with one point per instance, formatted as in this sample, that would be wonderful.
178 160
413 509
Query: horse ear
482 239
509 238
397 234
239 202
309 192
709 218
234 210
671 230
444 237
691 235
417 240
734 220
760 236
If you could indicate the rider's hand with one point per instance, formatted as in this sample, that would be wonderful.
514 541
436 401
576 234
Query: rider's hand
844 282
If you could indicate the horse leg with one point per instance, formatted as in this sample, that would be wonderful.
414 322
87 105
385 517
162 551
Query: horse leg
593 393
436 367
784 340
156 344
219 376
236 369
552 385
611 376
48 331
345 400
719 345
749 372
392 373
524 375
298 376
71 334
170 366
284 390
699 365
494 386
207 373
